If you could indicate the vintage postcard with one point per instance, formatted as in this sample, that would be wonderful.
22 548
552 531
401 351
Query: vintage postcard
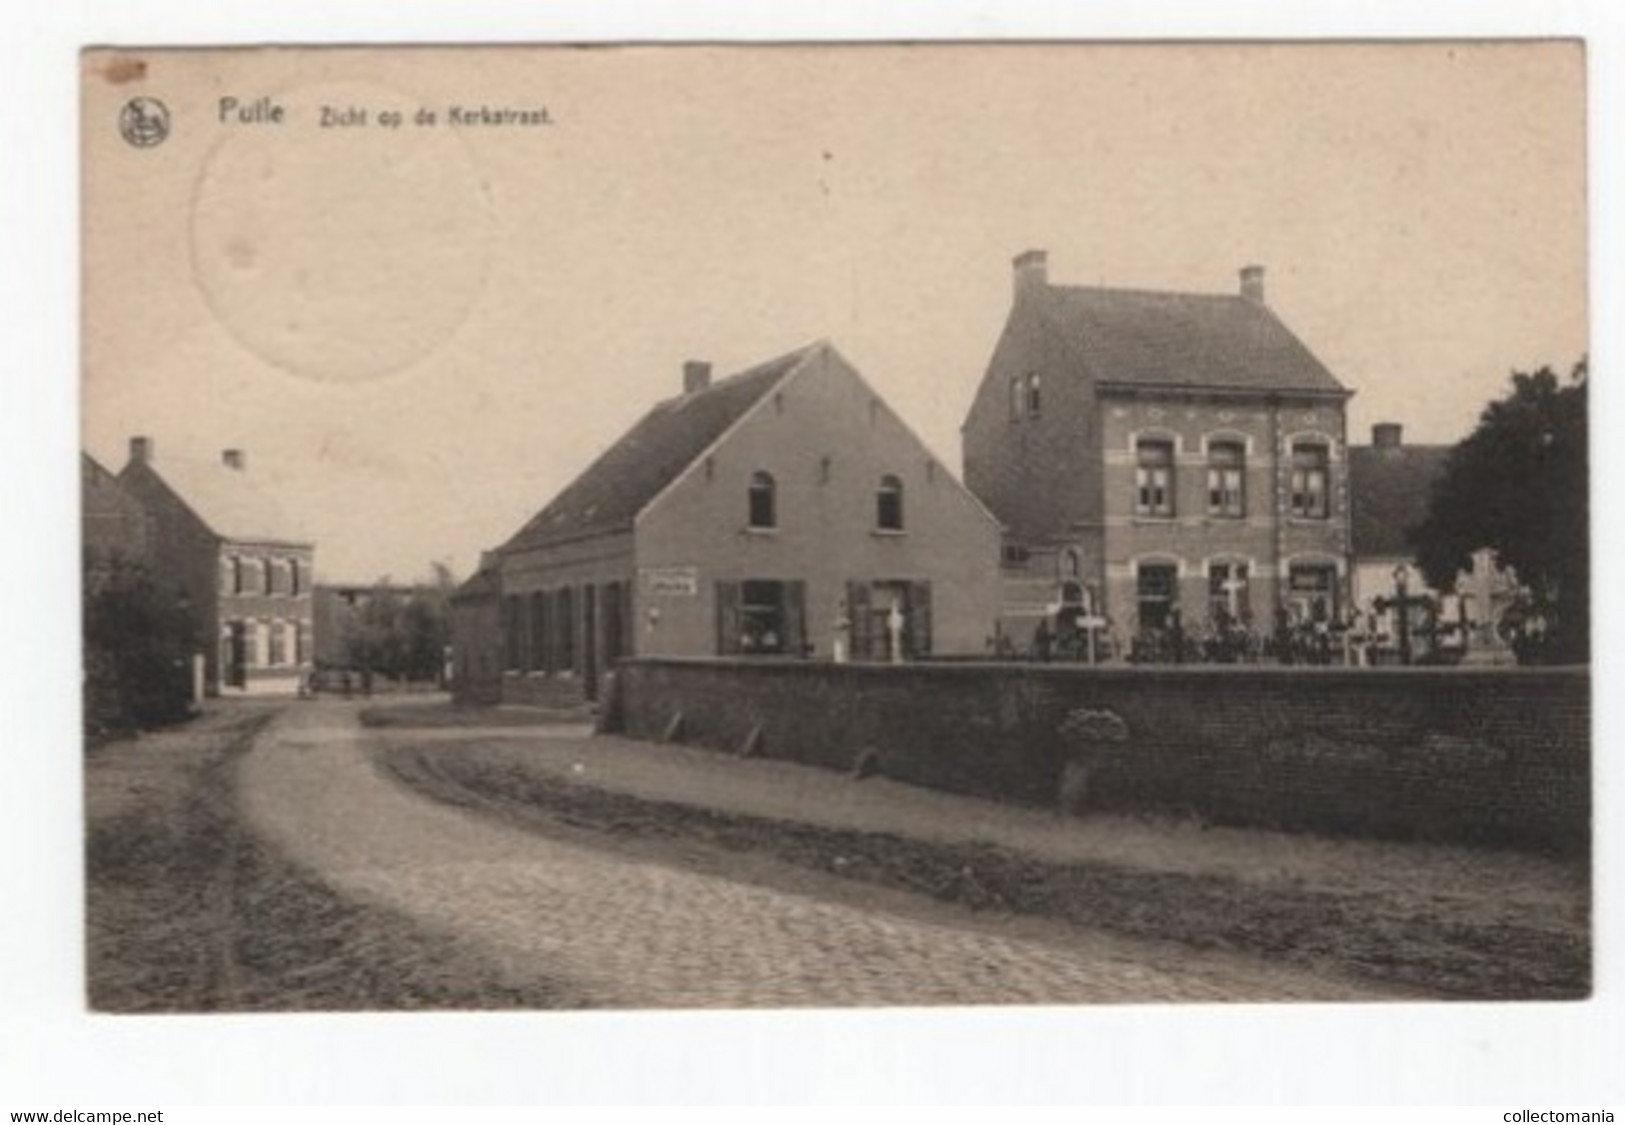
831 526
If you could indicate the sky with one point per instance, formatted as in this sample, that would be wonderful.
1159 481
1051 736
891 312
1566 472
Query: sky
421 333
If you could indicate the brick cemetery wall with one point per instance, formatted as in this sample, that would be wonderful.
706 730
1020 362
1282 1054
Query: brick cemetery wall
1498 757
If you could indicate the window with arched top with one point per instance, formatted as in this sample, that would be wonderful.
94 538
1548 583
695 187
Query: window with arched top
763 509
1035 394
889 504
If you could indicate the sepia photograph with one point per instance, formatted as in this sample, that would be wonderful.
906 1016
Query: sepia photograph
780 526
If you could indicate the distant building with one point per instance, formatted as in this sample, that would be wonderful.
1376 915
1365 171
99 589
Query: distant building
242 564
339 611
1160 460
1391 486
784 512
476 635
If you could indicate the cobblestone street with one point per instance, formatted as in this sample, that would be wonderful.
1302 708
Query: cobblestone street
622 932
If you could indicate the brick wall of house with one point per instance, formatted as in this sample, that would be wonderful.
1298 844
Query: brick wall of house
1497 757
1267 539
1039 472
264 605
185 553
827 440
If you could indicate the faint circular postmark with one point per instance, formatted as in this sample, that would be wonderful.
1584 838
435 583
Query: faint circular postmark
341 254
144 122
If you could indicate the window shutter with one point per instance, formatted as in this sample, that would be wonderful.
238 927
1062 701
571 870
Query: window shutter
795 618
728 623
857 612
919 620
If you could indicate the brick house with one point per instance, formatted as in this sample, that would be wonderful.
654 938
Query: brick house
783 512
1159 459
113 523
243 565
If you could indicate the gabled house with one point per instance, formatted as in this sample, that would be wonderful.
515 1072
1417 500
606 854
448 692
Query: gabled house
243 565
785 512
113 523
1161 460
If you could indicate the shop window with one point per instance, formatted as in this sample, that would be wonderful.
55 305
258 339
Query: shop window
761 617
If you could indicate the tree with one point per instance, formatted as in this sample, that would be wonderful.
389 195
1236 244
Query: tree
138 646
402 632
1518 484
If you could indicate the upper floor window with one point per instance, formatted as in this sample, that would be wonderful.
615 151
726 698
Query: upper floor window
763 511
1226 465
1154 478
1310 472
295 584
1015 399
1035 394
889 504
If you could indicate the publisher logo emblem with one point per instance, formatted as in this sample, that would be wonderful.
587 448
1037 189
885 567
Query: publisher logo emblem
144 122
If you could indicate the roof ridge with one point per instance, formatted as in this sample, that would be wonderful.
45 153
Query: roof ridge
1140 291
738 377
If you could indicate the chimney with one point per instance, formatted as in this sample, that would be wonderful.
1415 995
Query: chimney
1252 284
234 459
1031 272
696 376
141 450
1387 435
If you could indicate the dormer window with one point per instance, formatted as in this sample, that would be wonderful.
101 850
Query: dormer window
763 513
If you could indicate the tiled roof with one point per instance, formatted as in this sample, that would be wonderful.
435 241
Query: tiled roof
668 439
1389 488
1152 339
480 585
230 501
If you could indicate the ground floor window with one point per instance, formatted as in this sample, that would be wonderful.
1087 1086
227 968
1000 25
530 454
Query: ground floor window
761 617
564 624
1312 592
1229 593
279 645
1157 594
889 619
513 614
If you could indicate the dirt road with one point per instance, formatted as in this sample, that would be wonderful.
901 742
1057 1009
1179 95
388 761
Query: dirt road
620 931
